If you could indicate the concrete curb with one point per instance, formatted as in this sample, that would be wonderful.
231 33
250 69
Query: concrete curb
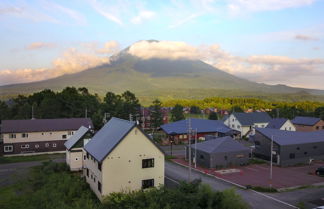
224 180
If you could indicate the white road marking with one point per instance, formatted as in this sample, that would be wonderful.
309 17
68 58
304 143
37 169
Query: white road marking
172 180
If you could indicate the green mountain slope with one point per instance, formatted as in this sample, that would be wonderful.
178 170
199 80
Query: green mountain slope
157 78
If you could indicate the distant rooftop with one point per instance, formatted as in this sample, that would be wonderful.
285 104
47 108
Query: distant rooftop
43 125
308 121
250 118
276 123
202 126
76 137
282 137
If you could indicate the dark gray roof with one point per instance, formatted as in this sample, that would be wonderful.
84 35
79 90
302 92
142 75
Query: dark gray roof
282 137
42 125
276 123
249 119
220 145
108 137
308 121
202 126
76 137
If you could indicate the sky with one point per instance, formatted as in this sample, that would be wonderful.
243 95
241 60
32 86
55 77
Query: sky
267 41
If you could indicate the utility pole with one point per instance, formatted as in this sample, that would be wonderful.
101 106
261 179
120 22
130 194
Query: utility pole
189 142
86 112
33 112
196 148
271 149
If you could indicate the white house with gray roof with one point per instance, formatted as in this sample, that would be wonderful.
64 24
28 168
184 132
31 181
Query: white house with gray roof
74 148
247 122
120 158
281 124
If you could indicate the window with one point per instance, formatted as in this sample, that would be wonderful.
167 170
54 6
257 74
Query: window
148 163
54 144
201 157
292 155
322 127
76 159
238 126
12 136
99 166
8 148
315 147
297 148
99 186
36 146
305 153
233 126
64 136
70 133
185 136
257 143
25 146
46 144
24 135
94 179
225 157
84 157
262 126
317 127
42 133
147 183
87 172
87 155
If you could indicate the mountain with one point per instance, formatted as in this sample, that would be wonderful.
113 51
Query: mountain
163 78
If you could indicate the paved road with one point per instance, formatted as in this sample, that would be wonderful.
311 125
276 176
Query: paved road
255 200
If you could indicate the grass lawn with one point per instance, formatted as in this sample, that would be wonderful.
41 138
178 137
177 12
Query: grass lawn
17 159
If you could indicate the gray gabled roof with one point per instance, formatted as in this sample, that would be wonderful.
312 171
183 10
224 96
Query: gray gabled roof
248 119
220 145
108 137
44 125
75 137
282 137
276 123
308 121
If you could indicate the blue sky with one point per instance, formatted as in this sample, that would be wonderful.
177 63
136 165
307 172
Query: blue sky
264 41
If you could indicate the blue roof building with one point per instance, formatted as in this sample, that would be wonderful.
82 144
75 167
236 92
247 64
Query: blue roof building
308 123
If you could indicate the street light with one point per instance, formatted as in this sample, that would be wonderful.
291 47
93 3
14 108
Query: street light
172 140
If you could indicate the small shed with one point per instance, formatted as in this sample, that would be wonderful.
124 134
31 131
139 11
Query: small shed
74 148
220 152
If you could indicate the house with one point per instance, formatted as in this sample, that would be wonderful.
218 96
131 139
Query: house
220 152
178 131
289 147
282 124
121 157
74 148
39 135
146 117
308 123
247 122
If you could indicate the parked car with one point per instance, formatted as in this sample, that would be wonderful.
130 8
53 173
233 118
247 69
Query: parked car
320 171
319 207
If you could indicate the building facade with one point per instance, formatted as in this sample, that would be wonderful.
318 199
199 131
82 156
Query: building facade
308 123
247 122
39 135
74 148
289 147
121 158
219 152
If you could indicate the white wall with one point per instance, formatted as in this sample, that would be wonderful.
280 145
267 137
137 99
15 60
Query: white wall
288 126
74 159
37 136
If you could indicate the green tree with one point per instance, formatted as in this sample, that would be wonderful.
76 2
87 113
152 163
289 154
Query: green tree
177 113
156 114
195 110
213 116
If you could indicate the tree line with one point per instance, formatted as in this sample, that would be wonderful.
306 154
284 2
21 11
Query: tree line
71 102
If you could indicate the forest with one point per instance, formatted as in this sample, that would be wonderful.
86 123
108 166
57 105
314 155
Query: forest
79 102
